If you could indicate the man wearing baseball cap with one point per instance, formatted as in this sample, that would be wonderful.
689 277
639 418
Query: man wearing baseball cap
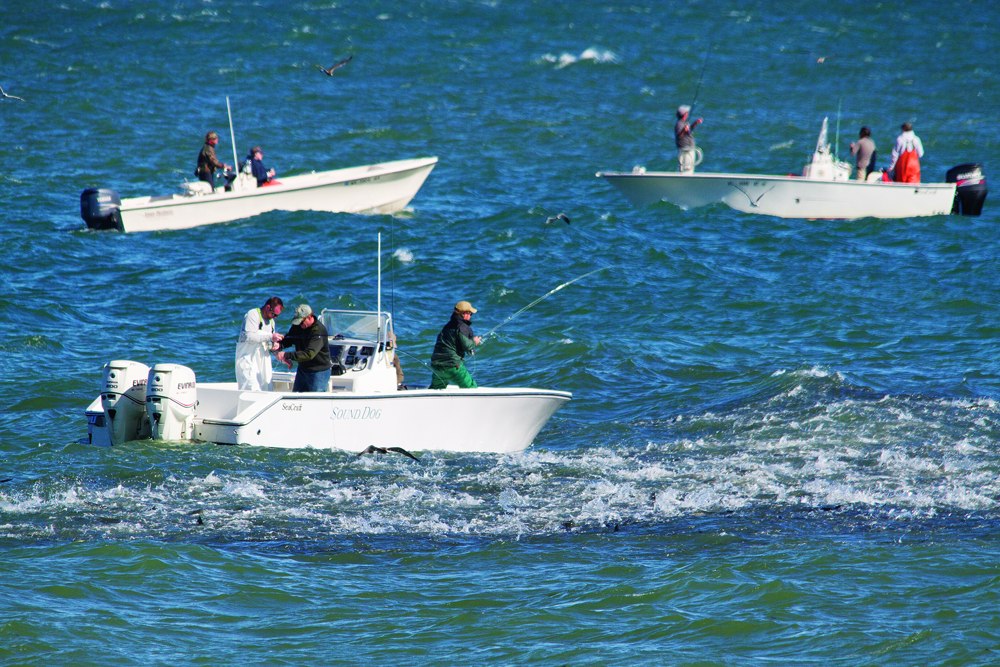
453 343
208 162
684 138
312 351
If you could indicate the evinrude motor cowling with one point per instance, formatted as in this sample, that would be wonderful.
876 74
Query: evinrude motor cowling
101 208
970 188
123 397
171 397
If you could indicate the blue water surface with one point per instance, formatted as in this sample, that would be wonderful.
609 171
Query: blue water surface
782 445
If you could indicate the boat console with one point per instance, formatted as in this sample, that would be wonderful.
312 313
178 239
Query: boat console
350 355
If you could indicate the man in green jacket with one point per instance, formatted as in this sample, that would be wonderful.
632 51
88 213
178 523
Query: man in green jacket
453 343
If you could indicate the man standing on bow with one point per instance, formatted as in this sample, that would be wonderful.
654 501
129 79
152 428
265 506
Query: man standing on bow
453 343
684 138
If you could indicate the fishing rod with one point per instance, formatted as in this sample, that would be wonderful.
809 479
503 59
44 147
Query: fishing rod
701 77
539 300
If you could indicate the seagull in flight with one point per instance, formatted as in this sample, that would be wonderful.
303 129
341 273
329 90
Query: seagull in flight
371 449
333 68
12 97
557 218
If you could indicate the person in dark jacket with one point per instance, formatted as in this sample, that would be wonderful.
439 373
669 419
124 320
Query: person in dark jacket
255 159
312 351
453 343
208 162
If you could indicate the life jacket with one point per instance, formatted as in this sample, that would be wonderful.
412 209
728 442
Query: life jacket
908 167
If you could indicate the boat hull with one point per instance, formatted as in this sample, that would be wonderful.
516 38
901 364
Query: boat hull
497 420
786 196
386 187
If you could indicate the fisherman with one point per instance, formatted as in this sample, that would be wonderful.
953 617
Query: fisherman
312 351
684 138
208 162
453 343
864 151
254 162
906 154
257 340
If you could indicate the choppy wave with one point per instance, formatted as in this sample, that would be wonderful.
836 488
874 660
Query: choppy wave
778 427
592 54
800 442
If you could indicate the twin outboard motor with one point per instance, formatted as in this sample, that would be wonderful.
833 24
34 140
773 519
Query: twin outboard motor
101 208
170 402
970 188
123 397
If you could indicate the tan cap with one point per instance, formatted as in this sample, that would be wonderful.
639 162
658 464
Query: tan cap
465 307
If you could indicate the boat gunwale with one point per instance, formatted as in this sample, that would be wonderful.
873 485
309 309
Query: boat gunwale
718 176
145 203
478 392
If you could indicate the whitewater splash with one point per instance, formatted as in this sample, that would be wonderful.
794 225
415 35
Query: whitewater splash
806 441
591 54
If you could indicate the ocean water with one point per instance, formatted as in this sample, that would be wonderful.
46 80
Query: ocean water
783 442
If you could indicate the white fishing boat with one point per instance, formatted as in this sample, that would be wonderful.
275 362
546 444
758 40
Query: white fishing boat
825 190
386 187
363 407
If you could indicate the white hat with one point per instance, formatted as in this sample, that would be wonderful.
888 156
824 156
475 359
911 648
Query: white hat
683 109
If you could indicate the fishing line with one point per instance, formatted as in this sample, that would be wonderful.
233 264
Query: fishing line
539 300
701 77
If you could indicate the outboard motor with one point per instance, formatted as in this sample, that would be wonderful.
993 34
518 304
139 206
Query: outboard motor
171 397
970 188
123 397
101 208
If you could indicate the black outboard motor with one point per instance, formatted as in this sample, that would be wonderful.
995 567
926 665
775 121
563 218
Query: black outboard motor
100 208
970 188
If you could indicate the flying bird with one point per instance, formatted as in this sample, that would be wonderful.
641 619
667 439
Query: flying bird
385 450
12 97
557 218
333 68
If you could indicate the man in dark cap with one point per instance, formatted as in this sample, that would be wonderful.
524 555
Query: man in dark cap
256 161
312 351
208 162
453 343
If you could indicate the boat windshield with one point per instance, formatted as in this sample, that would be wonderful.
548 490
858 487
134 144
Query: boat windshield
356 324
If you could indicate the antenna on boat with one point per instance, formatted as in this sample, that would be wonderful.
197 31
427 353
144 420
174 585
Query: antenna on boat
836 144
378 316
232 135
